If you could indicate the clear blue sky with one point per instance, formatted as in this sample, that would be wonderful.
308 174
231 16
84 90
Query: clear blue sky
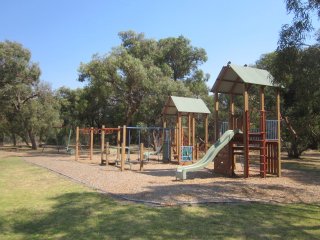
62 33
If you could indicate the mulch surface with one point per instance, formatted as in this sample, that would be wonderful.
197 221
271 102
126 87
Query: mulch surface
157 183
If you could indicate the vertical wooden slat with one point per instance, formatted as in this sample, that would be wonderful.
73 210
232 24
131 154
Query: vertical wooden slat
279 133
123 147
193 136
141 157
77 144
189 129
263 134
206 132
102 143
216 116
246 125
179 136
118 142
231 113
91 143
107 153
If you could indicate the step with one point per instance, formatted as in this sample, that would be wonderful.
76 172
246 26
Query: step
250 148
258 134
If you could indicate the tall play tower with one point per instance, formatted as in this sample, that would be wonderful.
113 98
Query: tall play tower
236 80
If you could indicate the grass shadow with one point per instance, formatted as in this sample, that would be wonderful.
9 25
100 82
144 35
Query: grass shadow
93 216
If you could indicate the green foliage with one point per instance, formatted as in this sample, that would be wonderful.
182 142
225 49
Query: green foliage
29 108
132 83
294 35
301 95
182 58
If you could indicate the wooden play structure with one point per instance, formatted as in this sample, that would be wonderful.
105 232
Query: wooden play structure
177 139
121 149
181 113
234 81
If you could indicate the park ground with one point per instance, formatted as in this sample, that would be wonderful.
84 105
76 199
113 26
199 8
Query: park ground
36 203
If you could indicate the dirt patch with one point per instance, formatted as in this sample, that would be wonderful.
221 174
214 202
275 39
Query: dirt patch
157 183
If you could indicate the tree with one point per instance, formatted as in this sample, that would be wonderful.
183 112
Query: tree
301 97
182 58
294 35
132 83
28 106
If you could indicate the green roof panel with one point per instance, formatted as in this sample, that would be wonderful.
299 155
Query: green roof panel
184 105
232 78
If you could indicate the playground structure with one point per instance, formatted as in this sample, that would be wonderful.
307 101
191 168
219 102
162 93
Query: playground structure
183 111
238 138
235 80
121 147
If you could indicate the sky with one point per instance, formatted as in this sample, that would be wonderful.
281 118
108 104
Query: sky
61 34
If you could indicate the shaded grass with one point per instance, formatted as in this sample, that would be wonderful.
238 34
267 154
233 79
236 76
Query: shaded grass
309 162
38 204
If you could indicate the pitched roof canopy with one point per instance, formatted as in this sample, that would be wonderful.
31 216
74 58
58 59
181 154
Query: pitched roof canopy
184 105
232 78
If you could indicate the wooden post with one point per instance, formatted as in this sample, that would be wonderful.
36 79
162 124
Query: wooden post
189 129
179 137
206 132
279 132
77 144
91 143
246 131
107 153
216 116
193 136
176 135
118 142
197 151
263 156
164 123
231 113
123 148
102 143
141 157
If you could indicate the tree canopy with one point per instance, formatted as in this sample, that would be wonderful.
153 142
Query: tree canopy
28 106
294 34
132 83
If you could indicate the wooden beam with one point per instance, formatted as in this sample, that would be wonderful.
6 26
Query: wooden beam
193 136
263 145
235 84
279 132
231 112
246 126
91 143
123 147
216 116
228 92
206 132
107 153
233 81
218 80
179 136
77 144
189 129
118 143
141 157
102 143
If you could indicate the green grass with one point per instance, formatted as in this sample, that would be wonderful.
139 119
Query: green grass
38 204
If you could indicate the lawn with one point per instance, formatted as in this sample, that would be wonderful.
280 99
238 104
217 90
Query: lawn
38 204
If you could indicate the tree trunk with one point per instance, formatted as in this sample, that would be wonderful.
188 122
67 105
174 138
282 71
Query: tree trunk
293 151
32 139
1 139
14 139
